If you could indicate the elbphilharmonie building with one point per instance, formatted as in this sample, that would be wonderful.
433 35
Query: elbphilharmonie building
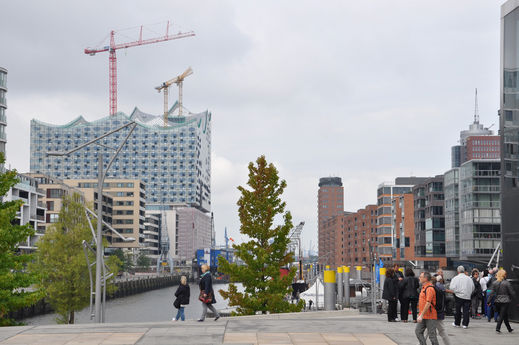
174 161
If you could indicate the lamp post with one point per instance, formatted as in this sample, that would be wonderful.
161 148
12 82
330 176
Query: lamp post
99 314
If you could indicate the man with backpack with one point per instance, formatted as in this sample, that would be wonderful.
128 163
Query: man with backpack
462 287
428 317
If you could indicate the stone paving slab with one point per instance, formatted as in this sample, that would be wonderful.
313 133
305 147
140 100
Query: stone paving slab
326 328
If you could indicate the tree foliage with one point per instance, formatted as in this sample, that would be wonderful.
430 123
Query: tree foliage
265 289
15 282
143 261
125 259
61 261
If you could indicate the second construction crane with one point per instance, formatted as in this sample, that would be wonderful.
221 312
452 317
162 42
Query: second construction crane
165 88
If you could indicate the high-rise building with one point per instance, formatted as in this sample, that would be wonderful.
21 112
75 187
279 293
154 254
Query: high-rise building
452 219
475 142
330 202
3 107
173 161
509 130
128 205
479 209
386 232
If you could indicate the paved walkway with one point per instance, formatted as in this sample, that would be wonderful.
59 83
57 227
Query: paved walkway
341 327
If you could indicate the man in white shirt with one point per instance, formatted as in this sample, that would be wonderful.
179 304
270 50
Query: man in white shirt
462 287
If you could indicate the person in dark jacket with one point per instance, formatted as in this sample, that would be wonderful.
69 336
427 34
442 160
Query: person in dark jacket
390 294
182 299
476 295
207 292
408 292
504 294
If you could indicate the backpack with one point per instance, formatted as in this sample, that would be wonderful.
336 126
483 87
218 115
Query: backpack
440 299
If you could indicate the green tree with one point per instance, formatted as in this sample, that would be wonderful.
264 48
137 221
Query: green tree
61 261
125 259
15 281
265 253
143 261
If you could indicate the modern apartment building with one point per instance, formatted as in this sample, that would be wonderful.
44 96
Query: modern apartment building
452 219
3 107
386 232
479 209
509 131
484 147
128 206
151 243
330 203
429 217
173 161
53 191
31 212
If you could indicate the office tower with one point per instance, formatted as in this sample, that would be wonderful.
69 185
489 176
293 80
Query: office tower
330 202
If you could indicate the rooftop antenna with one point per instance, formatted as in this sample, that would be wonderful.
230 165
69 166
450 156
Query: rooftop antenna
476 111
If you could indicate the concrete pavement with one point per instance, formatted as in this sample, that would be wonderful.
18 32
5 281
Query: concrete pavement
338 327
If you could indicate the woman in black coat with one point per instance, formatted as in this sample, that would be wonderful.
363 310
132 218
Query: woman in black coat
390 294
182 299
408 289
207 294
504 294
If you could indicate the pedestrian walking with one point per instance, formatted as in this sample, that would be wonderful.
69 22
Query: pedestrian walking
182 299
427 319
409 289
462 287
390 294
476 295
310 304
207 294
504 294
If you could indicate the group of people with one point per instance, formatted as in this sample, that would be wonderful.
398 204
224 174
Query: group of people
426 298
206 296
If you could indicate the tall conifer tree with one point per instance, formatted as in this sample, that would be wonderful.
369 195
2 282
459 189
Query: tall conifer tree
265 254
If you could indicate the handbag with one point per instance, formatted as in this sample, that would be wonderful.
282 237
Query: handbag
501 298
205 298
176 304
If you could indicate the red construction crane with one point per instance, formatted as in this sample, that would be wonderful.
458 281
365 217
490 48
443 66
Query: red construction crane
112 48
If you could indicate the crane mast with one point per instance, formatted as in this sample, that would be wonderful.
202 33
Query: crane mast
112 59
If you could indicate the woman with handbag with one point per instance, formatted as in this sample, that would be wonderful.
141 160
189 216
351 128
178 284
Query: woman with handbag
504 294
207 294
182 299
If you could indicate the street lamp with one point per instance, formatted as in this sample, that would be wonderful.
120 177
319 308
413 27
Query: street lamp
99 314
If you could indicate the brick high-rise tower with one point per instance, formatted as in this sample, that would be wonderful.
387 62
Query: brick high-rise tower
330 202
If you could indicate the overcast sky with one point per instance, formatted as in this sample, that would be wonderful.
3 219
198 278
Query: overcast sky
363 90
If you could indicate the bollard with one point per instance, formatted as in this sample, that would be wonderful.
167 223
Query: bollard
382 280
359 272
329 289
346 282
340 287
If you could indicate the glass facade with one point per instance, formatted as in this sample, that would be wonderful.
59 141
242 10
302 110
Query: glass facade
174 162
479 209
452 230
3 107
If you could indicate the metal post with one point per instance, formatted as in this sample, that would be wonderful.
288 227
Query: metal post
359 272
330 292
99 239
382 280
317 292
346 279
340 287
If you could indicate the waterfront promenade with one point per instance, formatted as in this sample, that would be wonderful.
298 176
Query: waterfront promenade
337 327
